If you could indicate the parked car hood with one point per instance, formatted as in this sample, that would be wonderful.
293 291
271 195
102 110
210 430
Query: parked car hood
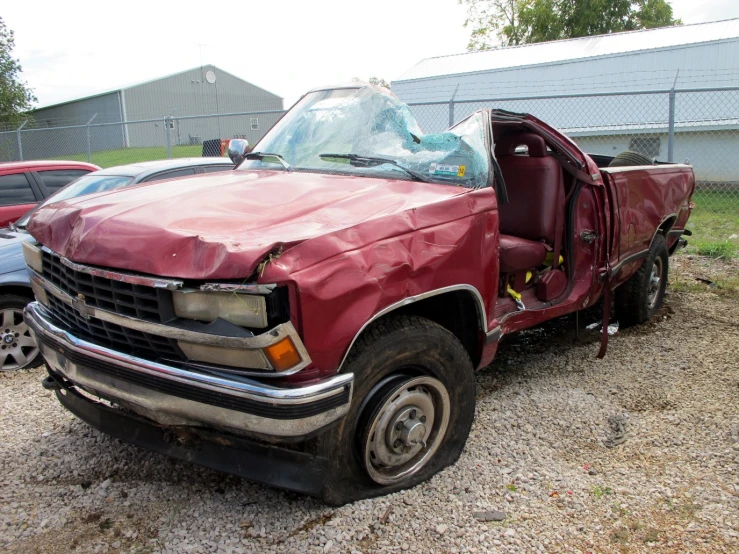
220 226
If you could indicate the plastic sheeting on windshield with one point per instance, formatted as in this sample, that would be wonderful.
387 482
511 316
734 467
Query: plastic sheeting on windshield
371 122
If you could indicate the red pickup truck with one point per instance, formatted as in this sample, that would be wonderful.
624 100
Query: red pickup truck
314 319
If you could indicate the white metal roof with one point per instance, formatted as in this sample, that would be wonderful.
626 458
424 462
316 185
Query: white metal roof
573 49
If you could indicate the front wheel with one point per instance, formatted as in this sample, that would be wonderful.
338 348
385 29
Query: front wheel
640 298
414 402
17 347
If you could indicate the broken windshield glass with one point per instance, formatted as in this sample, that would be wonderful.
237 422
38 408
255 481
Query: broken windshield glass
369 122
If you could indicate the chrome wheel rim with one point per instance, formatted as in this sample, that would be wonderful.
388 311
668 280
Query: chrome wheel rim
17 347
406 430
655 283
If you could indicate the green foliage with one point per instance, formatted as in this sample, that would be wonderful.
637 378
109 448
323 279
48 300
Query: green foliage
512 22
15 96
599 492
723 250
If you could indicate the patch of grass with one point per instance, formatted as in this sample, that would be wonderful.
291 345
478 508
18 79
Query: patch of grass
652 535
122 156
511 487
717 249
714 219
599 492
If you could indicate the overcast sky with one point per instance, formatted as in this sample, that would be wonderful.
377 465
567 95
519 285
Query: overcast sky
77 48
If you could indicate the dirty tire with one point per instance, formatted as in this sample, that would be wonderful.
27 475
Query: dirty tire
389 354
629 158
639 298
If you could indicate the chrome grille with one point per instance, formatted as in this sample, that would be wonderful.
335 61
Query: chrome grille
137 301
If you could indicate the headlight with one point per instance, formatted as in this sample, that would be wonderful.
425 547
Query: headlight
240 309
32 255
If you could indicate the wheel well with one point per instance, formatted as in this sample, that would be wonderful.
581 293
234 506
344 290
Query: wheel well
18 290
457 311
667 224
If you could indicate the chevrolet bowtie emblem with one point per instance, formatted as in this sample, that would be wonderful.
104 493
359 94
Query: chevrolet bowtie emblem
81 307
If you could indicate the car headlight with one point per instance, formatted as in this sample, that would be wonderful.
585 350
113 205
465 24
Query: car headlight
245 310
32 256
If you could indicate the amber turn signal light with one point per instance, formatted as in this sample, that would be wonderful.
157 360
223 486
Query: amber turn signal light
282 355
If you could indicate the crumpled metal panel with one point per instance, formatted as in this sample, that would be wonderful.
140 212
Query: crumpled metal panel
206 228
348 247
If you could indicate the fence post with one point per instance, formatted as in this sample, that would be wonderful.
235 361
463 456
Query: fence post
671 122
451 107
167 121
18 137
89 154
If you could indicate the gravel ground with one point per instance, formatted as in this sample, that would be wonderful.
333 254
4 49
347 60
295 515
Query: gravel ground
638 452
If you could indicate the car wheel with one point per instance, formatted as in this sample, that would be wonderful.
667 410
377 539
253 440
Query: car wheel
17 347
412 409
639 298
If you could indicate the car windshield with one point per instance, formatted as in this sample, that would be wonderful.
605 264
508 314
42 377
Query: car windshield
87 184
367 131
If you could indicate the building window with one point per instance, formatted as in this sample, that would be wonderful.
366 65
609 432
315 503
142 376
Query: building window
648 146
254 123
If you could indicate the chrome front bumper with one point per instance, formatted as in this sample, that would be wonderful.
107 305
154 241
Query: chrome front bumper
174 396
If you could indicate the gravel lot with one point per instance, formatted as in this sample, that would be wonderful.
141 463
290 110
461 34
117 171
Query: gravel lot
637 452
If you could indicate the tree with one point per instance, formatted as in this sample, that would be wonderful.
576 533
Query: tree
512 22
15 96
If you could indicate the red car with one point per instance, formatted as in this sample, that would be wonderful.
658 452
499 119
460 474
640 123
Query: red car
24 184
314 318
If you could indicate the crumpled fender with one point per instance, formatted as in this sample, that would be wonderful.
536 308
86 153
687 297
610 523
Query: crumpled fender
344 278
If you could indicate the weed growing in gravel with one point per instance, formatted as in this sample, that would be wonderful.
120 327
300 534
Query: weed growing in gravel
511 487
652 535
620 535
599 492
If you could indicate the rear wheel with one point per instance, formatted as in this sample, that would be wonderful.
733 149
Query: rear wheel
414 402
17 347
639 298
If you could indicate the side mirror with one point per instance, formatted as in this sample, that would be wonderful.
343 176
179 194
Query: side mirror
237 150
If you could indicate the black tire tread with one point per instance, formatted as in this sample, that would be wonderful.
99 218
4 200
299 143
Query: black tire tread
630 158
335 490
628 297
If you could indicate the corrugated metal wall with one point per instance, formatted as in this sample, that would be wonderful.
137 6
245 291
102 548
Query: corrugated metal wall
50 143
702 65
190 93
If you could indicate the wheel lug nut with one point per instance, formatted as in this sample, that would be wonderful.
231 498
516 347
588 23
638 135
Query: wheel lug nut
399 426
397 443
412 415
422 419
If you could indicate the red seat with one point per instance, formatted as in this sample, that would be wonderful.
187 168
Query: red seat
517 254
535 187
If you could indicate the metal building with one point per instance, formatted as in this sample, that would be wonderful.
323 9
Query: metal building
609 92
142 108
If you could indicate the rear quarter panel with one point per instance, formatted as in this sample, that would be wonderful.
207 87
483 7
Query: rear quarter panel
648 199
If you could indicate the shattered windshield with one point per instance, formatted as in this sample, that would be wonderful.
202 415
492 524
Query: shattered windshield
367 131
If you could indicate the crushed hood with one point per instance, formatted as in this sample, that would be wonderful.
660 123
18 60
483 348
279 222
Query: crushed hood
220 226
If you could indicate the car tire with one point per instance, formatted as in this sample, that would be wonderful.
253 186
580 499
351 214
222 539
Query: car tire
411 413
641 296
18 350
630 159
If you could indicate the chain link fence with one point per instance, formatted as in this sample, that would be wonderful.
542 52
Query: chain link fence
111 144
697 126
